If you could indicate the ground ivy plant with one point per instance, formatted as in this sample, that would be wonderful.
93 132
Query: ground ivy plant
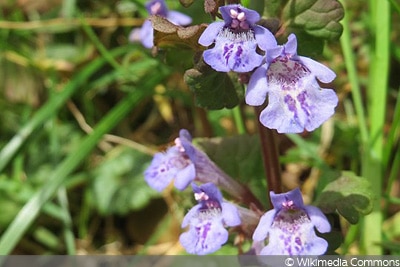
263 54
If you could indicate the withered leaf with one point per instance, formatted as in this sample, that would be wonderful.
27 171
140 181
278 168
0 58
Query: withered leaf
167 34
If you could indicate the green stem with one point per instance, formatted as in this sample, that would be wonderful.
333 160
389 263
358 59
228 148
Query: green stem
238 118
377 93
345 41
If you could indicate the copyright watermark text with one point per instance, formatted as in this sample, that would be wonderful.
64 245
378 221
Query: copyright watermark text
327 261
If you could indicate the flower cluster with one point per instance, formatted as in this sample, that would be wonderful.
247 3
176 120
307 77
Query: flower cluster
289 227
295 99
289 83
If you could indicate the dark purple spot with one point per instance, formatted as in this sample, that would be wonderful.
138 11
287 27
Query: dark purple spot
291 103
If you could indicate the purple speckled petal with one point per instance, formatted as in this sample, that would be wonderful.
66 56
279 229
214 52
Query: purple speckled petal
210 33
296 102
318 219
265 39
290 227
258 87
230 214
146 34
278 116
322 103
264 226
160 174
167 166
322 72
318 246
273 53
204 237
179 18
233 52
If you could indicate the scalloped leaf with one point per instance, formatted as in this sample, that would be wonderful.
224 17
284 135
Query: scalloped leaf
212 89
167 34
319 18
350 195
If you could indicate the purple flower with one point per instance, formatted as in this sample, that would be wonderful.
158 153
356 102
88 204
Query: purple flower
235 40
174 164
289 227
295 99
207 221
157 7
185 163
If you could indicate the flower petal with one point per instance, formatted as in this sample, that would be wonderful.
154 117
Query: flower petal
237 55
179 18
317 247
264 226
185 176
304 106
251 16
204 237
322 104
294 196
291 45
318 219
322 72
258 86
210 33
189 216
230 214
146 34
159 174
265 39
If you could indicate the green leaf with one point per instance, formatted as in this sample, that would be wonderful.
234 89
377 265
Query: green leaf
167 34
349 195
119 185
319 18
240 157
212 89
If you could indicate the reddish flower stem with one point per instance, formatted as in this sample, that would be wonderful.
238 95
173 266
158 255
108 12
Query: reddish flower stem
270 153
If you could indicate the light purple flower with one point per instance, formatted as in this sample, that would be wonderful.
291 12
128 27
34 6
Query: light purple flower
157 7
207 221
289 227
295 99
174 164
235 40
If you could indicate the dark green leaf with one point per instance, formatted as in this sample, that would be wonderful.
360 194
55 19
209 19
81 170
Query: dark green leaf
349 195
212 89
319 18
